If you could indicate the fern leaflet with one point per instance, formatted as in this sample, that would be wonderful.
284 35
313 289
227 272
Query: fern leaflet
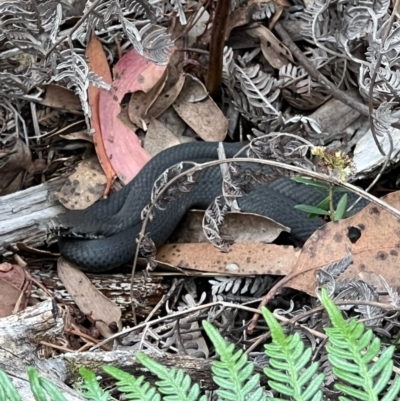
175 384
233 373
288 359
92 388
135 389
351 351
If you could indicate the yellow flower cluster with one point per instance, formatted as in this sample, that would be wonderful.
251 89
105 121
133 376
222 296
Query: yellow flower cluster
334 162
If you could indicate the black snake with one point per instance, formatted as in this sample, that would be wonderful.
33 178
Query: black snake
116 221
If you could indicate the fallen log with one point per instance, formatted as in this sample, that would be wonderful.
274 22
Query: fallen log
28 216
20 338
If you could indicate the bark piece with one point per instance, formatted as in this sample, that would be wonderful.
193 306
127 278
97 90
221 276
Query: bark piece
25 216
198 369
20 337
115 287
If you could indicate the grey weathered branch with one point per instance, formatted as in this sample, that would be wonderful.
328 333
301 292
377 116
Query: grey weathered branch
315 74
26 215
198 369
20 337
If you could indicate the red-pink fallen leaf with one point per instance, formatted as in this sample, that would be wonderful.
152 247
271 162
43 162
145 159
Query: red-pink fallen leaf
97 60
132 73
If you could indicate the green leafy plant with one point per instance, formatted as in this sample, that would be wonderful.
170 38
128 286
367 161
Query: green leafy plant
353 353
288 358
90 388
363 368
332 162
233 373
174 384
326 207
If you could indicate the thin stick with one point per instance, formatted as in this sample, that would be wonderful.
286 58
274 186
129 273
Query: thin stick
235 306
217 43
315 74
296 169
174 316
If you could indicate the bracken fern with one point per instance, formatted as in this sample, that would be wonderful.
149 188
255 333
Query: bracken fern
353 353
364 372
135 389
288 359
233 373
175 384
91 387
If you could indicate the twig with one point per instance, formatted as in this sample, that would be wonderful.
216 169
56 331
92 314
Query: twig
315 74
371 88
173 316
163 299
294 320
199 167
217 43
238 306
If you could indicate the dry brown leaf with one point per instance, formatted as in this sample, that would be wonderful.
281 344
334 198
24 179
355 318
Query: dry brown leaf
30 250
141 102
376 252
58 97
89 300
15 160
79 135
13 284
278 12
204 117
167 97
85 186
273 50
158 138
243 259
170 118
241 227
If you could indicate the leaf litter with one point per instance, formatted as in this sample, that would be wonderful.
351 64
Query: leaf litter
139 92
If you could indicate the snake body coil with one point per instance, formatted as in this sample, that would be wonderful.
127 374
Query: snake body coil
116 221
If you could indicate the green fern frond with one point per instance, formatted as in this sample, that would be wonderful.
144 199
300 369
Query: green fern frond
288 360
351 351
7 390
92 388
41 386
36 388
176 385
134 389
233 373
54 392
